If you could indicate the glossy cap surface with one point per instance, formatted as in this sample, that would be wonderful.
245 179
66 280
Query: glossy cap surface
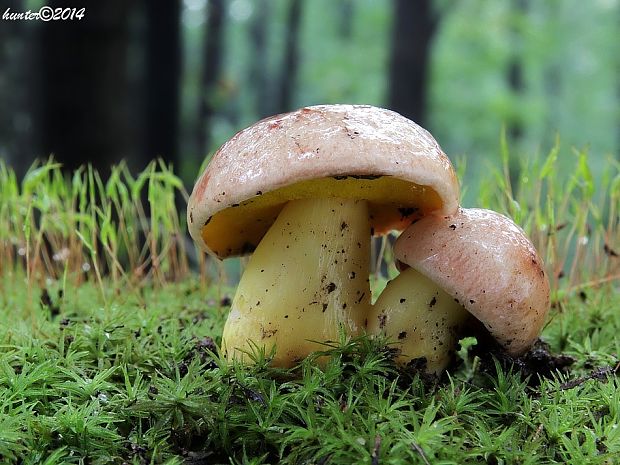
487 264
346 151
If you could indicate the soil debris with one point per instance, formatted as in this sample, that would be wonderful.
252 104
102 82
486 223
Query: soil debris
538 363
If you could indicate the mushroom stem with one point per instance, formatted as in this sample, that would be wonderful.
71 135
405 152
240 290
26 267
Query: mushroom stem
421 318
305 283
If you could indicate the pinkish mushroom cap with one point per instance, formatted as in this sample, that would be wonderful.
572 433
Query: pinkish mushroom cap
346 151
488 265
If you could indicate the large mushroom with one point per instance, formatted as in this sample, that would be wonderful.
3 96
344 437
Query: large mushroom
475 262
305 191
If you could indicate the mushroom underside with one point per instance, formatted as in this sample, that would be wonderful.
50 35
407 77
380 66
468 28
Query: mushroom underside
392 204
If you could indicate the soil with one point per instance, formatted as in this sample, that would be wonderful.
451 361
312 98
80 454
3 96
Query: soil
538 363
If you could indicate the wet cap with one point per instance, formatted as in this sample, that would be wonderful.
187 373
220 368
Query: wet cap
488 265
346 151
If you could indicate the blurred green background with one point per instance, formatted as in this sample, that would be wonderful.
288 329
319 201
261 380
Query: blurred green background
138 79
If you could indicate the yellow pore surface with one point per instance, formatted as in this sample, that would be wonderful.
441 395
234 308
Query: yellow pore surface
392 203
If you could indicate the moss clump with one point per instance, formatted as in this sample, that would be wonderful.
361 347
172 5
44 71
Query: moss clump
108 343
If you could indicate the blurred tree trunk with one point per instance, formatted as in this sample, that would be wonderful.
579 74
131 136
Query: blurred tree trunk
163 69
16 138
515 66
290 62
259 70
412 35
516 83
211 73
345 19
83 83
553 76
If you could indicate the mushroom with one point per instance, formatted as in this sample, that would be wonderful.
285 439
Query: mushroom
305 191
476 262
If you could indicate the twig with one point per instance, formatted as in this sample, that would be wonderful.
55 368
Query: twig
599 373
594 283
375 451
420 451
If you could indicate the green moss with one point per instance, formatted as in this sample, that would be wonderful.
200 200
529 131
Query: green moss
117 362
140 381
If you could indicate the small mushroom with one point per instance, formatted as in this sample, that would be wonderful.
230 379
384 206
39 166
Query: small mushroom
476 262
305 191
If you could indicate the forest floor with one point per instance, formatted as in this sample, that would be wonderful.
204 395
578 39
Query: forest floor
137 380
109 335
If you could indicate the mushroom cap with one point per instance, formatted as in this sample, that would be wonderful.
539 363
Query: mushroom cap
488 265
347 151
